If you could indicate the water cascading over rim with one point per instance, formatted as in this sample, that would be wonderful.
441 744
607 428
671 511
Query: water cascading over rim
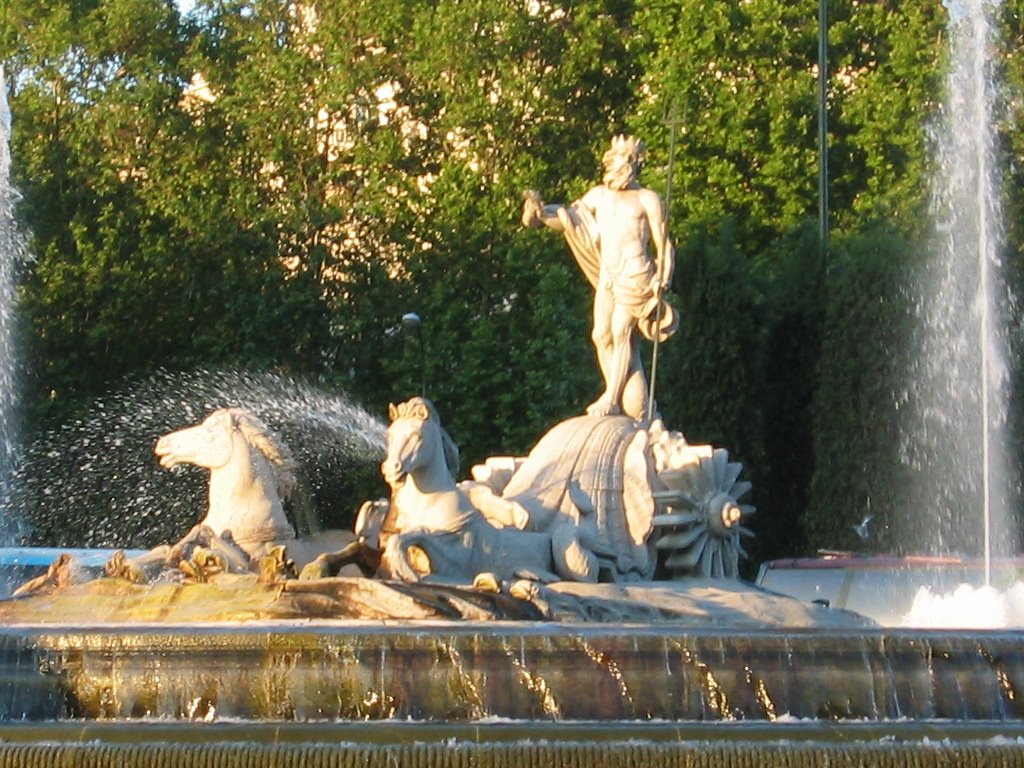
472 672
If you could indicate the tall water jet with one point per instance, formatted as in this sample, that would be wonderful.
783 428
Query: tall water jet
960 381
12 249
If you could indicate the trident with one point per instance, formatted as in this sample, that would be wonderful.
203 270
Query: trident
674 122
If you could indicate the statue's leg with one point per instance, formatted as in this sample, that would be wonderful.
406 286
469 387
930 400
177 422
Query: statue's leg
406 557
158 557
500 512
329 564
619 361
573 561
601 336
199 536
61 573
512 553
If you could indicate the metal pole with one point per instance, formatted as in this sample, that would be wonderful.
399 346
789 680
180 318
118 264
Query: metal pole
413 325
673 122
823 127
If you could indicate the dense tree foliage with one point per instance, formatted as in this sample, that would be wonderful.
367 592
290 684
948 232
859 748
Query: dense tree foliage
860 381
270 185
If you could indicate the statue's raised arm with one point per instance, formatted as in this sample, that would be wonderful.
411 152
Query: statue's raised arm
609 231
577 225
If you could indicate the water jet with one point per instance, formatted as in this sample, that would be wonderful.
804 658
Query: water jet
956 433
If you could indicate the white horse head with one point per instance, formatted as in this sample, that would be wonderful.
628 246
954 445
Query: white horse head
420 467
251 471
418 444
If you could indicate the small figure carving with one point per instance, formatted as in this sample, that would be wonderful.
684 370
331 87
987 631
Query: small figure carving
121 567
202 566
276 566
60 574
609 230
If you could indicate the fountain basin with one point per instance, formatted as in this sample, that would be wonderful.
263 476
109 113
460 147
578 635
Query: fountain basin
883 588
442 672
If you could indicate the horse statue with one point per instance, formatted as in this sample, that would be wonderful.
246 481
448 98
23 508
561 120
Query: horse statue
432 528
251 473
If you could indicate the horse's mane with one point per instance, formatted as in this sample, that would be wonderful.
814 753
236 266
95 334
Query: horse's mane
421 408
265 440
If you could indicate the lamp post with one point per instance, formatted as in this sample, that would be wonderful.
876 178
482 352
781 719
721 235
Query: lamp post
413 326
823 127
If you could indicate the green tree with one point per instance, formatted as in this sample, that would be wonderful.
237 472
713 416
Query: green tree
708 367
740 77
862 373
792 277
93 85
534 89
885 67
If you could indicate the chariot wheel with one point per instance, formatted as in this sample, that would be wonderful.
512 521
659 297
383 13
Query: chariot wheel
698 529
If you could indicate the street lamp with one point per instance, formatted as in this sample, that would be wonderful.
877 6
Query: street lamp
413 326
823 127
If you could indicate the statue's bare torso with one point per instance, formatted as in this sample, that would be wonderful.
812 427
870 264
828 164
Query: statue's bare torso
624 226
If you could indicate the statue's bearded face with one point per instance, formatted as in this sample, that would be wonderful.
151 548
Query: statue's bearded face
622 162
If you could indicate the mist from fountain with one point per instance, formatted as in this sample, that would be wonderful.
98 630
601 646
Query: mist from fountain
95 482
13 250
968 607
956 433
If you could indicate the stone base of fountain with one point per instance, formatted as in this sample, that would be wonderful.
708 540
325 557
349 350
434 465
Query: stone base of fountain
499 694
694 603
466 672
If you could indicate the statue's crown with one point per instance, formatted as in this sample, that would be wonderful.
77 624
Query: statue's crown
630 146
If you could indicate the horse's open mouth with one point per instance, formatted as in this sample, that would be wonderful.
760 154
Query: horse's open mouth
165 455
167 462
